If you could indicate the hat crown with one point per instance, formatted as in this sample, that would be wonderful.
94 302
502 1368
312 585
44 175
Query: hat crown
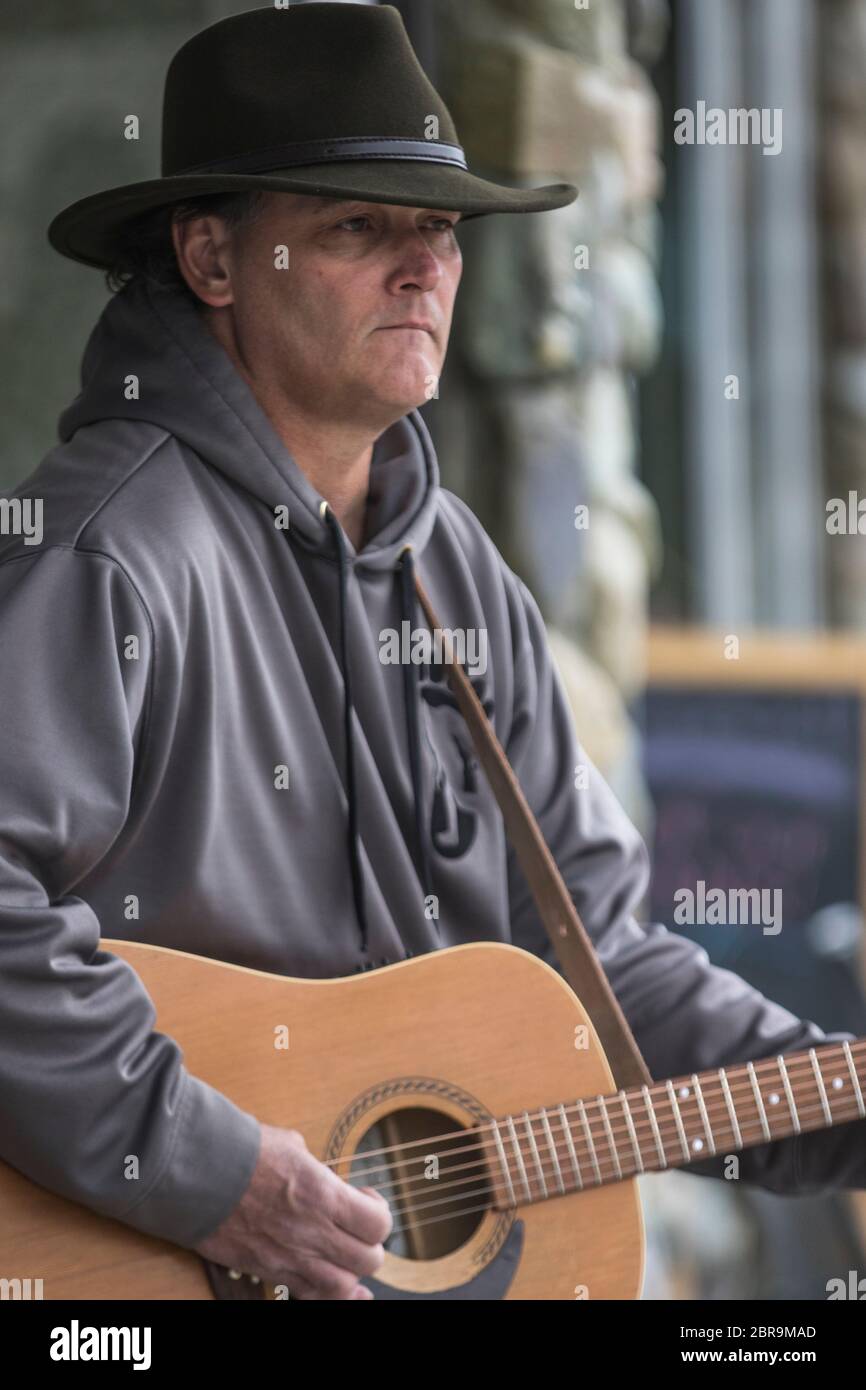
270 77
327 99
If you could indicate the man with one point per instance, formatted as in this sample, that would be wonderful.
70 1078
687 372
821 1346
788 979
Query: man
202 747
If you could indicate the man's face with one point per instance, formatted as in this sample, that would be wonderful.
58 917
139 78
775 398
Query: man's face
357 326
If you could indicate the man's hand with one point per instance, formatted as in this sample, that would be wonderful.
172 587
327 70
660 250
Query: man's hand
300 1225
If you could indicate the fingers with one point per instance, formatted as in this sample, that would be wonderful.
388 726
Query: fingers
355 1256
361 1212
307 1293
374 1192
322 1235
332 1284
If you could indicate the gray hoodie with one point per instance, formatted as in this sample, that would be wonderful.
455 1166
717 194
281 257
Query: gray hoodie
203 749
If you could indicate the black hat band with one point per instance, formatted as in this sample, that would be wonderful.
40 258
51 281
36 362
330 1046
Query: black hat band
324 151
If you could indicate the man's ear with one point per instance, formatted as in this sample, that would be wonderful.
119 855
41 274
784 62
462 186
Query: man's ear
202 246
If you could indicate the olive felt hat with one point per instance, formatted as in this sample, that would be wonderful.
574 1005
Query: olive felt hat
325 98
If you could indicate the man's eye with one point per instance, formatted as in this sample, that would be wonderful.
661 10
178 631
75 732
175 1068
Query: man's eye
443 224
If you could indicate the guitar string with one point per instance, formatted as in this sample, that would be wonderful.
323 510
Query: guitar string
795 1073
549 1168
492 1187
643 1129
483 1207
667 1126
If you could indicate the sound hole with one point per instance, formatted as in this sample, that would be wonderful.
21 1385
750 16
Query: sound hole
434 1176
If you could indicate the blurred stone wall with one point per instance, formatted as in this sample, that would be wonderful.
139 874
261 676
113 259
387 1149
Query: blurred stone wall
842 164
557 314
69 75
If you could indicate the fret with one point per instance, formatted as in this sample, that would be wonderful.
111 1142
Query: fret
699 1097
569 1140
538 1168
554 1155
611 1142
519 1156
855 1081
650 1109
504 1162
795 1118
589 1139
626 1110
819 1081
531 1165
759 1101
729 1102
675 1107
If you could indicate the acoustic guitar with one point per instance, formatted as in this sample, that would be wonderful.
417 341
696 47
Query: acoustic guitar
469 1087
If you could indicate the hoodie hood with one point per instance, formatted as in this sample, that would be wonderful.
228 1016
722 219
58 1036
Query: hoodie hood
187 384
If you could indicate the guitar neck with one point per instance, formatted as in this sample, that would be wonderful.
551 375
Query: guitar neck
586 1143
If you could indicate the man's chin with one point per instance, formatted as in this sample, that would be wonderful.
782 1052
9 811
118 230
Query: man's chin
414 389
403 397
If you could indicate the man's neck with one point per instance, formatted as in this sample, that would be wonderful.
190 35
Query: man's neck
334 455
337 462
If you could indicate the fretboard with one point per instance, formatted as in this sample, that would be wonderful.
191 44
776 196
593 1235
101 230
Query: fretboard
584 1143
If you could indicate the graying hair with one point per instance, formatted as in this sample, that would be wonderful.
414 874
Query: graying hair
146 251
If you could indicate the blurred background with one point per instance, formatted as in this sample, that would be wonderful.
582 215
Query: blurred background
655 401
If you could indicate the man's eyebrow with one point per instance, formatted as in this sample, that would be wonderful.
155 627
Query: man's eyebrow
315 205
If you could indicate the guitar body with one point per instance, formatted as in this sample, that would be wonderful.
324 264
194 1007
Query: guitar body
436 1044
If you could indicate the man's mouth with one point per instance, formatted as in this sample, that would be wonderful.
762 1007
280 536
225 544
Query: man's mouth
411 327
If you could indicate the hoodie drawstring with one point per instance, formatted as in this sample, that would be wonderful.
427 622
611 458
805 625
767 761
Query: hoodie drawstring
411 696
411 677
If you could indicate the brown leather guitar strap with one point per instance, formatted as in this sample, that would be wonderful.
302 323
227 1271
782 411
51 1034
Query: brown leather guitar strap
572 945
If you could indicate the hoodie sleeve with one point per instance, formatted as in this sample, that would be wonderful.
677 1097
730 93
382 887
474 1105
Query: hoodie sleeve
85 1081
686 1014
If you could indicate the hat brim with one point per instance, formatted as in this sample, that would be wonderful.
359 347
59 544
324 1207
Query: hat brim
89 230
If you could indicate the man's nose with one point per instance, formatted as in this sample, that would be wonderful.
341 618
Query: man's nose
417 264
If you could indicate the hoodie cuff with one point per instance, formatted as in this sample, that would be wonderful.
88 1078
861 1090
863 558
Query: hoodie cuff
828 1160
213 1154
